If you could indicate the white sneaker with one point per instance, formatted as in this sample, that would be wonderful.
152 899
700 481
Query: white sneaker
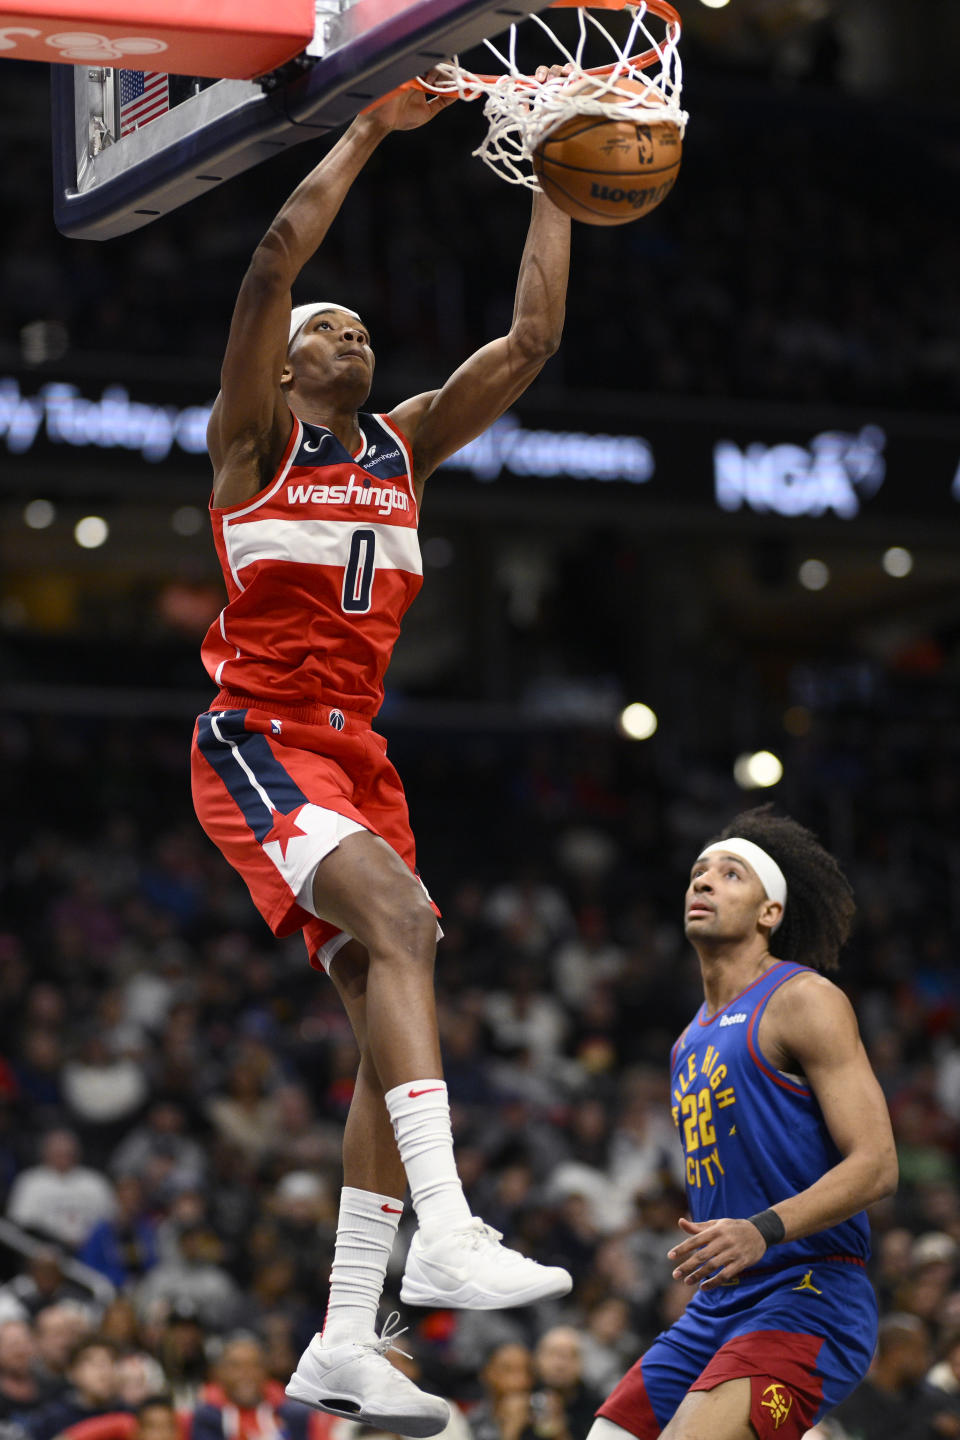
356 1381
470 1270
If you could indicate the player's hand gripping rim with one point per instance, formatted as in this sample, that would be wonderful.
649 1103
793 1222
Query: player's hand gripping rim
716 1252
412 104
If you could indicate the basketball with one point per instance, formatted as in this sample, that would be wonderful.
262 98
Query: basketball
607 172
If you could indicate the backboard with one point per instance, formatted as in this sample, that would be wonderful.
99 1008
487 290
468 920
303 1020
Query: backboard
111 177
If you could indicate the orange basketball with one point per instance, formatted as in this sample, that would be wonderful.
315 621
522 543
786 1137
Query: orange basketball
606 172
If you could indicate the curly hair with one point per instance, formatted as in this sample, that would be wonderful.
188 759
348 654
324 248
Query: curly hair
820 904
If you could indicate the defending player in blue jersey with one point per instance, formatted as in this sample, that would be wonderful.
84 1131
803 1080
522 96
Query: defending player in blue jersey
786 1139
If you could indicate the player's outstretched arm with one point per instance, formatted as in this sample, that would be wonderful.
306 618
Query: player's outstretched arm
440 422
814 1027
250 423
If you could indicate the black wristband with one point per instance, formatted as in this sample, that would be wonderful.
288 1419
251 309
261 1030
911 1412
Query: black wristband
770 1225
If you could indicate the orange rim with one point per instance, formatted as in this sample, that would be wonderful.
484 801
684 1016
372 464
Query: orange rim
654 7
643 61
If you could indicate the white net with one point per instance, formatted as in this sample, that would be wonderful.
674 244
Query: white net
631 76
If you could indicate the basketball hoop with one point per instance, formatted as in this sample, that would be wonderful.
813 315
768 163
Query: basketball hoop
642 81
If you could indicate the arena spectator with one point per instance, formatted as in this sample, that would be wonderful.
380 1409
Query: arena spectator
157 1420
139 1375
507 1379
58 1330
893 1403
304 1218
243 1403
20 1387
41 1284
244 1115
92 1390
561 1396
587 959
124 1247
161 1152
154 1418
103 1091
194 1275
178 1340
119 1324
608 1344
945 1374
60 1197
299 1141
37 1069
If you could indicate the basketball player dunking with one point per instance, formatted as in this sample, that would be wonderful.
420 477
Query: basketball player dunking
786 1138
314 513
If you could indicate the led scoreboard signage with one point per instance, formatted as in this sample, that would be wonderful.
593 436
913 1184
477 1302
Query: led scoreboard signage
793 468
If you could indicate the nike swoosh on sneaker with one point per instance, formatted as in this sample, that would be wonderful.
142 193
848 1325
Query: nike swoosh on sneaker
453 1272
429 1091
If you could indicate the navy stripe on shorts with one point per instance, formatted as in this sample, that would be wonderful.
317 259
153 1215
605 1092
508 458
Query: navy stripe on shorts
235 748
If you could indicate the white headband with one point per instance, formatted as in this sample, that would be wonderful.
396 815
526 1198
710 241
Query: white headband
303 313
767 870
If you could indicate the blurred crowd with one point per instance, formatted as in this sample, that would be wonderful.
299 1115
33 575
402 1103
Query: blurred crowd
173 1082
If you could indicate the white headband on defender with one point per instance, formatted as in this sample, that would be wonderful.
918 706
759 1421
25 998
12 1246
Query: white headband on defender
767 870
303 313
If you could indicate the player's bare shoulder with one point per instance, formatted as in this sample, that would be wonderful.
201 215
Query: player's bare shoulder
808 1018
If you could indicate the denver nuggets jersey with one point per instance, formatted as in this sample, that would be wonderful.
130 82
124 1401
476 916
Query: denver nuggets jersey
751 1135
320 567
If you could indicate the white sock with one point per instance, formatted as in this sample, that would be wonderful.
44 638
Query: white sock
366 1229
420 1112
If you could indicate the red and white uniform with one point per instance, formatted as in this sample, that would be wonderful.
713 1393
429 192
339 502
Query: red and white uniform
320 568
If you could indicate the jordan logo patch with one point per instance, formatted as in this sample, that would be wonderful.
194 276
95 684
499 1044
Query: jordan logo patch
807 1284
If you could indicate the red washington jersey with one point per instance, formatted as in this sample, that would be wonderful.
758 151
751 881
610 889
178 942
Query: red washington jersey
320 567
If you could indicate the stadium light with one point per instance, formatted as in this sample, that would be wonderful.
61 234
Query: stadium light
813 575
39 514
637 721
757 771
897 561
187 520
91 532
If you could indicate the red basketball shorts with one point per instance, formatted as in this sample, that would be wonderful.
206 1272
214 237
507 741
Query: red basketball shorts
277 795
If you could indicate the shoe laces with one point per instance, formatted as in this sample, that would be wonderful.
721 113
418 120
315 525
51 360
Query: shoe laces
389 1335
478 1233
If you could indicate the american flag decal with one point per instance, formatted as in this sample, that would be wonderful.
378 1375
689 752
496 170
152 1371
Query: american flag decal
144 96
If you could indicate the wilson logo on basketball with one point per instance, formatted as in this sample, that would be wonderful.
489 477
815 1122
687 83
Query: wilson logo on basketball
637 199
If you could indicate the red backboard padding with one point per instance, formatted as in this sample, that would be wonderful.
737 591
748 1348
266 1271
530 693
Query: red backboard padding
230 39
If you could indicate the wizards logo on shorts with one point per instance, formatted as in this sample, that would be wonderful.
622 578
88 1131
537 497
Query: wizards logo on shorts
779 1402
337 719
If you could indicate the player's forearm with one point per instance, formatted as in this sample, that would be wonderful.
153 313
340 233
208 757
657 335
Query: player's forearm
542 283
858 1181
301 225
